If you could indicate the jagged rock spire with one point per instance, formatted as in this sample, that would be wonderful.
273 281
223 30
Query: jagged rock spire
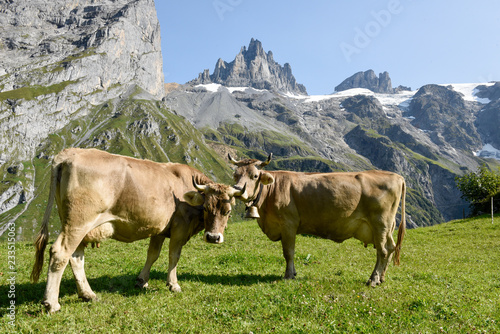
253 67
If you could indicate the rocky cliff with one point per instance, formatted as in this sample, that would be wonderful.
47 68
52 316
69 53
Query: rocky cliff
488 118
444 113
57 58
253 67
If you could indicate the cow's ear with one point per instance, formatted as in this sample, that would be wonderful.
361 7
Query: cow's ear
194 198
266 178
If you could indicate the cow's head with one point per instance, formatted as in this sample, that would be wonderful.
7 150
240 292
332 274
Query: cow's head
216 200
248 174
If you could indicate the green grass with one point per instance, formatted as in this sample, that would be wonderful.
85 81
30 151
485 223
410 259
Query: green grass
235 134
448 281
33 91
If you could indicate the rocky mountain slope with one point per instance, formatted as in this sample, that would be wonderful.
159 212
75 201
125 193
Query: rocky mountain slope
429 136
88 74
488 119
59 57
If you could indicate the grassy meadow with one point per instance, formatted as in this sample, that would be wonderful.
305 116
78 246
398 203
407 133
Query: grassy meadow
448 281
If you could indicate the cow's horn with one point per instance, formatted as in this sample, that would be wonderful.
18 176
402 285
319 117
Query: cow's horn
265 163
231 159
241 193
198 187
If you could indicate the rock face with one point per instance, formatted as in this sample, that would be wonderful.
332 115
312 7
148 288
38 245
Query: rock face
368 80
444 113
364 107
489 92
488 118
253 67
58 58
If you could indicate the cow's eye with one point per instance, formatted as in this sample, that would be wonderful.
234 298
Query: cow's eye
255 177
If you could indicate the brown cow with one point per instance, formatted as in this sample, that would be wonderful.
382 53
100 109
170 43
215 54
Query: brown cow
335 206
101 195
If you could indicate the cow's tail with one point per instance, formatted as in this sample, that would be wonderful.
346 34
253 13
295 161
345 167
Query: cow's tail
402 225
43 235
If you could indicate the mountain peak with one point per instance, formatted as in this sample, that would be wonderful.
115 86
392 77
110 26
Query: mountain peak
368 80
252 67
255 49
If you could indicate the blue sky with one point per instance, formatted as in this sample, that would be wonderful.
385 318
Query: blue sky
416 41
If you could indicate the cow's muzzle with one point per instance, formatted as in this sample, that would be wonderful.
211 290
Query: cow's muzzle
214 238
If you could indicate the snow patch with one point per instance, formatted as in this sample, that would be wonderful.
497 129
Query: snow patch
211 87
353 92
488 151
469 91
214 88
402 98
247 90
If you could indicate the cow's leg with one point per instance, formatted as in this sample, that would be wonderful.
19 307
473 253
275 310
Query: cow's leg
288 245
384 243
77 261
60 252
390 247
174 254
155 244
374 279
57 263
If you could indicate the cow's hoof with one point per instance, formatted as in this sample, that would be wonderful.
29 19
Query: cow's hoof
141 284
88 296
174 287
51 308
290 276
372 283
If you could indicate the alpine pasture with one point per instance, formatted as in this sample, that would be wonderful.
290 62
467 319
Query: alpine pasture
448 281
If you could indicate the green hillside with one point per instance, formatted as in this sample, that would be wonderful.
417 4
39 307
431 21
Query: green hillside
448 282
